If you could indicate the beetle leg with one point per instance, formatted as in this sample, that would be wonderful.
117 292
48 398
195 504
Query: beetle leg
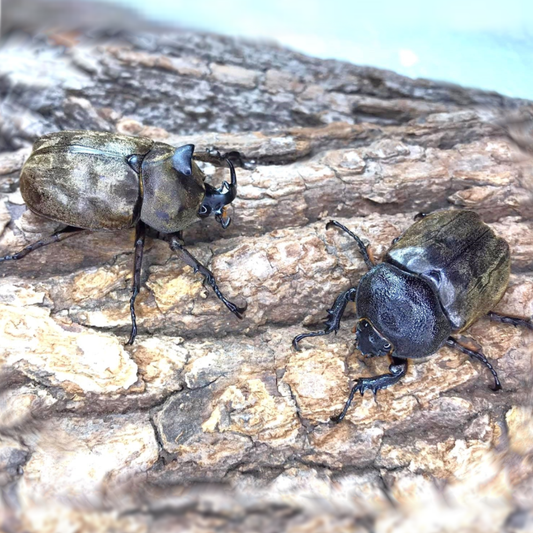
515 321
140 233
213 156
175 246
362 248
333 321
397 370
56 237
454 343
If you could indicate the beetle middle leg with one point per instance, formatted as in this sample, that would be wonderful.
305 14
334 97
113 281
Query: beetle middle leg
362 248
333 321
140 234
56 237
454 343
397 370
174 241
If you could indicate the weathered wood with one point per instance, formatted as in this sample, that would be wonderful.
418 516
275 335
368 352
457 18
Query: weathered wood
112 437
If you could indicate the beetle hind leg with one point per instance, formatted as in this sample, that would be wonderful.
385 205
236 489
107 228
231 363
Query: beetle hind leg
515 321
56 237
397 370
140 234
454 343
173 240
334 317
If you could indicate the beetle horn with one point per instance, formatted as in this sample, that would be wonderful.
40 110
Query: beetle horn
216 200
181 160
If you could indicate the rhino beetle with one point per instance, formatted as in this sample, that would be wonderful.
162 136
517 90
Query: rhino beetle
92 181
441 275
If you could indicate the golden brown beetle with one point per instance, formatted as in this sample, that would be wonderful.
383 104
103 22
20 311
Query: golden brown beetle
91 180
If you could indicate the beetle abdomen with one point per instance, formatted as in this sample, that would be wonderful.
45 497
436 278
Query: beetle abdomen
461 257
82 179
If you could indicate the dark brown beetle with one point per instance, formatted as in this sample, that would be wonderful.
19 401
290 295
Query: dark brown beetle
91 180
445 272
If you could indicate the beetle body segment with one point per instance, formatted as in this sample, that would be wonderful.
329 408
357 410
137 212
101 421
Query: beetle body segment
98 180
173 188
82 179
404 309
461 257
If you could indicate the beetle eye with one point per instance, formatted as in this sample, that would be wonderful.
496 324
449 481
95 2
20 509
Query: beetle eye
134 161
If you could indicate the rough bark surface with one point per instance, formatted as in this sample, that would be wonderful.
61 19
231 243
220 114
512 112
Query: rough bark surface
208 423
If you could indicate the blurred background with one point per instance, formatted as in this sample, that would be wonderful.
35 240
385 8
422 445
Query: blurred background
483 44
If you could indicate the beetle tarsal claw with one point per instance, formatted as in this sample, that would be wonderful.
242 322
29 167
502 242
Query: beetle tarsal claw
223 219
295 342
239 311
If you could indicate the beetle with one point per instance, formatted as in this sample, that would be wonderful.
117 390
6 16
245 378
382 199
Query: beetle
90 180
441 275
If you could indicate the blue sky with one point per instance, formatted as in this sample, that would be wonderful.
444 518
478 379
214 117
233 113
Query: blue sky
485 44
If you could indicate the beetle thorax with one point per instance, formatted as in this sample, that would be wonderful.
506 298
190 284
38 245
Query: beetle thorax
403 311
172 193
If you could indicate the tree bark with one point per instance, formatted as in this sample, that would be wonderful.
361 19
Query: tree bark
212 423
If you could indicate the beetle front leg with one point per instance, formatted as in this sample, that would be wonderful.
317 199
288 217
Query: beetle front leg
140 234
213 156
515 321
397 370
454 343
56 237
363 249
333 321
176 246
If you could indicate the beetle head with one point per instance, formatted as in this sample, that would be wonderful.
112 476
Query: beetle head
370 341
216 200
